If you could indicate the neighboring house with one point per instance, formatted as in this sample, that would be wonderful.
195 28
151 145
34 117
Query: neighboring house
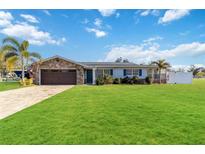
58 70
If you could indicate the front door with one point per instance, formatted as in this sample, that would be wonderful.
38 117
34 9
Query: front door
89 76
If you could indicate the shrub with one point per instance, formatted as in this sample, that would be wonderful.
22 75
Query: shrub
148 80
125 80
116 81
26 82
100 81
141 81
108 79
200 74
130 81
135 79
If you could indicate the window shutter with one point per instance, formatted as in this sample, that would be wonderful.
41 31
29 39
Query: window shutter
124 72
140 72
111 72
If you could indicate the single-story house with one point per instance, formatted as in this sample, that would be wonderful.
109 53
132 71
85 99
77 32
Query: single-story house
59 70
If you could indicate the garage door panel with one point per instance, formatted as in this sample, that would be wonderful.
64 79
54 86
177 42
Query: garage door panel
58 77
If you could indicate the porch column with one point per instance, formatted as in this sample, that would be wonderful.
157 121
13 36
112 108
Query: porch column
152 75
94 79
132 72
39 77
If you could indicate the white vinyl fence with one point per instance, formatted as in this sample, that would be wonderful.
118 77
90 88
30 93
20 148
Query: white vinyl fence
179 77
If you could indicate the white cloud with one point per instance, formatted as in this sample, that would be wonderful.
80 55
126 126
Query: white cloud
98 22
117 15
47 12
29 18
171 15
107 12
151 39
10 27
140 53
145 13
5 18
149 12
65 15
155 12
30 33
85 21
98 33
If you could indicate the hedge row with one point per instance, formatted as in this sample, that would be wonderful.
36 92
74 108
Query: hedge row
126 80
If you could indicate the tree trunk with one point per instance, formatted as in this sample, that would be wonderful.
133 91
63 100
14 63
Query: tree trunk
1 76
160 76
22 67
27 64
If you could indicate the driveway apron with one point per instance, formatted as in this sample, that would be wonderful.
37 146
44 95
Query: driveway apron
12 101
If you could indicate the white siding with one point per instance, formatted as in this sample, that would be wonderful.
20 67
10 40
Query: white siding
144 73
118 73
179 77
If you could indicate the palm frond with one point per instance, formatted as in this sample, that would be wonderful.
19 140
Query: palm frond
35 55
25 54
161 63
154 62
10 63
24 46
9 48
10 54
11 41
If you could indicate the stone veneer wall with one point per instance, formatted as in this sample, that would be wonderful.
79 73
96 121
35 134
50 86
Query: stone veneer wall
58 63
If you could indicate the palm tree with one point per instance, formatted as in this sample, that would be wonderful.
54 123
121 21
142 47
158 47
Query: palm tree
2 64
31 57
162 64
19 52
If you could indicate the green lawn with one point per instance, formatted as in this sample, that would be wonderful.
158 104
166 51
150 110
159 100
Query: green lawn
9 85
118 114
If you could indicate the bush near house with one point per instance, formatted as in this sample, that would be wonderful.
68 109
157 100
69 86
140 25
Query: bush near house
100 81
148 80
108 79
125 80
116 81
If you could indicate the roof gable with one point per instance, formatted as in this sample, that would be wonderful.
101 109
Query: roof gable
59 57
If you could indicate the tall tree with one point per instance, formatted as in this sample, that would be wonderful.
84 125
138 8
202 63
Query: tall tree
2 64
195 69
20 52
31 57
4 55
118 60
162 64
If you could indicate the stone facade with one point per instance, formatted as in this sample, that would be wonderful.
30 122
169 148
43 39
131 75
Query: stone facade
57 63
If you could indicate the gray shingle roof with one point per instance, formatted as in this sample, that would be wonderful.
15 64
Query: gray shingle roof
114 64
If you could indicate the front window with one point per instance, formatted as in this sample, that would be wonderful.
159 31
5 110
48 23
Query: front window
135 72
99 73
127 72
108 72
103 72
132 72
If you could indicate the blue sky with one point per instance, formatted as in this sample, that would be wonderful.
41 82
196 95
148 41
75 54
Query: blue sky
104 35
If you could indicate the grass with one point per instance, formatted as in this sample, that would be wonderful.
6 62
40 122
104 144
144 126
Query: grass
117 114
9 85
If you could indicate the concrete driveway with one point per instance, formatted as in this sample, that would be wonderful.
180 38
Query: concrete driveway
12 101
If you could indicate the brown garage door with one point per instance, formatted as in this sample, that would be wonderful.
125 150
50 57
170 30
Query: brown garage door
58 77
